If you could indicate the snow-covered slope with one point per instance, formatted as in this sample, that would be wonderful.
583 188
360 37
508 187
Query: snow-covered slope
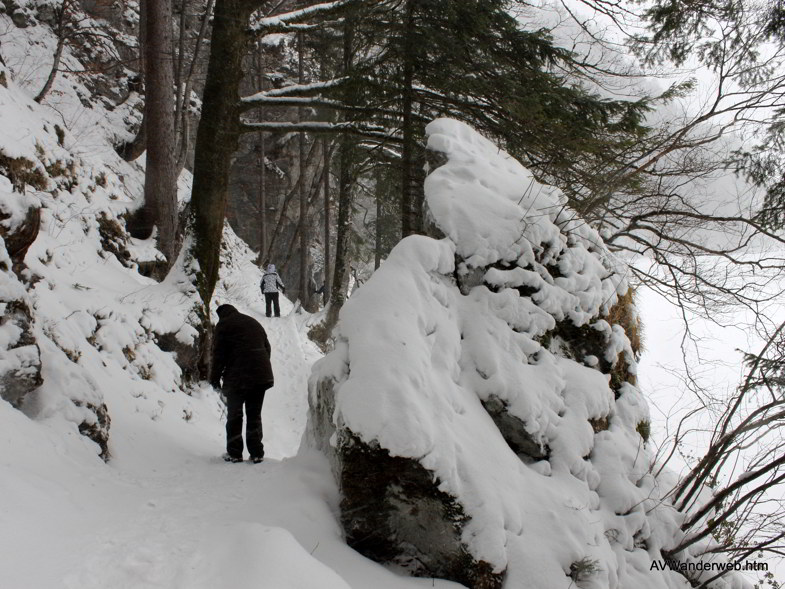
495 359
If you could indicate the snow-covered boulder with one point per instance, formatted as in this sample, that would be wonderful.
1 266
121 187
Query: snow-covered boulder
479 409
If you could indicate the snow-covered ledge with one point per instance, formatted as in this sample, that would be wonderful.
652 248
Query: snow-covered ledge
480 408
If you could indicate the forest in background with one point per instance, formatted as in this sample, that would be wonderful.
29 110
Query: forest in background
598 100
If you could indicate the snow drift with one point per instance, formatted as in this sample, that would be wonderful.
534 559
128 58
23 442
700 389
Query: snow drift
480 408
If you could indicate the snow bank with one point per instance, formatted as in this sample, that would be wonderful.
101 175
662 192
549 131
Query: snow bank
487 357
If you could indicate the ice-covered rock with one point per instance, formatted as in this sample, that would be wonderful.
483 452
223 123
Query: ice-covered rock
479 408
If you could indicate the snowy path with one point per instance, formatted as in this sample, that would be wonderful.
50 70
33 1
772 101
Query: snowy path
211 525
286 404
166 512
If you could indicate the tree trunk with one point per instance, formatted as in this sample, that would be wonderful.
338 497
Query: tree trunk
61 35
410 217
217 138
326 181
178 74
182 114
377 252
262 202
160 186
342 233
135 148
261 150
304 294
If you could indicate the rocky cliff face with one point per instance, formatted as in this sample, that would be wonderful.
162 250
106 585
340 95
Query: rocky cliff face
479 408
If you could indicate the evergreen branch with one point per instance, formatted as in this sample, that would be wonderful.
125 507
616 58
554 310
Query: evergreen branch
261 100
300 101
296 89
357 129
288 20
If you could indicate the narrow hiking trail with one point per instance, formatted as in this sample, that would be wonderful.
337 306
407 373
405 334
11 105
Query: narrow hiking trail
208 524
286 404
187 520
166 512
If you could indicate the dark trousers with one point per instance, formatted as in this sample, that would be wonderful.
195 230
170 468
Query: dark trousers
271 301
252 400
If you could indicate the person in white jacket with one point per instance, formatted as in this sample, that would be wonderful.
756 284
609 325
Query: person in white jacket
271 282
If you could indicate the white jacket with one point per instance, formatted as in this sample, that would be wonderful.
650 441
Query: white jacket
271 282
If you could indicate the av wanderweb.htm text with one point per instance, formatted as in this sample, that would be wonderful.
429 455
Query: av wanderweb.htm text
684 567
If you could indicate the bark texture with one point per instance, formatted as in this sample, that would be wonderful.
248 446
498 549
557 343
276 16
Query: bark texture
160 187
217 137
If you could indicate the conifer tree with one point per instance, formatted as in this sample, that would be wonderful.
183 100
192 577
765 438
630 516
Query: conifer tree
412 61
470 60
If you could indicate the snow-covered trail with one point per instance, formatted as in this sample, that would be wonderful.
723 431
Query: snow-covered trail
166 512
209 524
286 404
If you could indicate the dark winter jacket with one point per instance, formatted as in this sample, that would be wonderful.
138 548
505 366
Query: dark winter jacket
241 352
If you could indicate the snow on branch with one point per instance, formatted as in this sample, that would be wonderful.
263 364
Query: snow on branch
456 99
360 130
288 20
287 28
294 90
300 101
317 101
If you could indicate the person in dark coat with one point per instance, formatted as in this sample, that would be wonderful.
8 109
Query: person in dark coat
270 284
241 357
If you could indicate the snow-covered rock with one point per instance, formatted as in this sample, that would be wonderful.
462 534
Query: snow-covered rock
479 408
20 356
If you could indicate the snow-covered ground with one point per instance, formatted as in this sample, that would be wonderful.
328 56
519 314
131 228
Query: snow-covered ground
166 511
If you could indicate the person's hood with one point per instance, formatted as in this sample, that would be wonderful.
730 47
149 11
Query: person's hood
225 311
271 268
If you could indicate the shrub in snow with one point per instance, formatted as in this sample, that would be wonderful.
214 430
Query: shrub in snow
582 570
479 409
